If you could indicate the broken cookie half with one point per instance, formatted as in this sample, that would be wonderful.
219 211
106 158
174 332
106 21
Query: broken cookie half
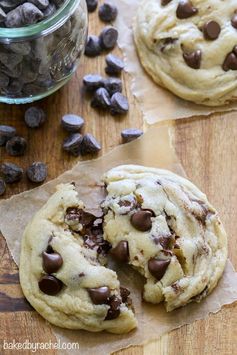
61 268
164 226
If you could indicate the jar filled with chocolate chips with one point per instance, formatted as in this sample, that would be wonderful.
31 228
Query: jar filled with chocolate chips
41 42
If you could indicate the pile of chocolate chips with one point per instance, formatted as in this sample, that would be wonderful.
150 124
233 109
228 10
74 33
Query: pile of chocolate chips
16 145
19 13
76 143
31 67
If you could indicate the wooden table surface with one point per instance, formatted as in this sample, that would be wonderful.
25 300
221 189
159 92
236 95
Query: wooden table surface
207 148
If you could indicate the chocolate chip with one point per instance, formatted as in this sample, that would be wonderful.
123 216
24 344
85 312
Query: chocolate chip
37 172
2 187
230 62
30 14
158 267
234 21
165 241
34 117
108 12
99 295
89 145
16 146
113 85
10 172
6 133
108 38
124 293
193 59
114 64
130 134
121 251
93 47
75 215
141 220
211 30
50 285
101 99
185 9
114 310
165 2
51 262
72 144
72 123
91 5
119 104
93 82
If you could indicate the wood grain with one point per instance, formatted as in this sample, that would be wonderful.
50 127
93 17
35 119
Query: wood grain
207 148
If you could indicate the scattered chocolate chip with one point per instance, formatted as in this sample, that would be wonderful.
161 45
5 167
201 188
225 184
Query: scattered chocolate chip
141 220
121 251
99 295
37 172
82 274
16 146
10 172
51 262
72 123
124 293
2 187
113 85
158 267
193 59
114 310
6 133
234 21
89 145
108 12
108 38
34 117
114 64
93 82
93 47
91 5
130 134
165 2
50 285
185 9
211 30
72 144
230 62
101 99
119 104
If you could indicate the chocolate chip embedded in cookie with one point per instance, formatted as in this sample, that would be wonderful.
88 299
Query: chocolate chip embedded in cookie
50 285
121 251
186 9
211 30
193 59
142 220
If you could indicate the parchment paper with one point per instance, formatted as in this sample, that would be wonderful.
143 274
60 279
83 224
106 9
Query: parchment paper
156 103
153 149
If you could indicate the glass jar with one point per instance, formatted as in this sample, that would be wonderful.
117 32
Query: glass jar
37 60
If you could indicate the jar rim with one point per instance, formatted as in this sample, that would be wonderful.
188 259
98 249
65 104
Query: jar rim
42 28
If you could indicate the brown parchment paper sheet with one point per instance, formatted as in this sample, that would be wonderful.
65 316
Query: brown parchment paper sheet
156 103
153 149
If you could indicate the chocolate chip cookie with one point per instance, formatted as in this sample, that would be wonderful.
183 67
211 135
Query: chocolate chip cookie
163 226
190 47
62 270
